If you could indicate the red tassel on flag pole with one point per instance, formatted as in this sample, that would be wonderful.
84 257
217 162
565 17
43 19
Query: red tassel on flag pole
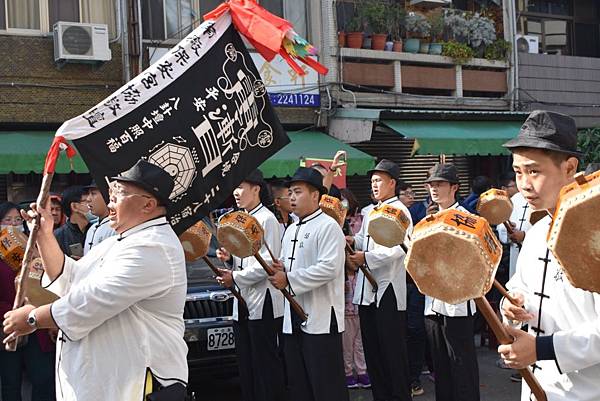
269 34
59 143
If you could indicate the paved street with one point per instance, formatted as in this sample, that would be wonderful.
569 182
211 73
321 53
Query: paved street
495 385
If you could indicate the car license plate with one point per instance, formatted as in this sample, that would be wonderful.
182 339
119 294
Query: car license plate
220 338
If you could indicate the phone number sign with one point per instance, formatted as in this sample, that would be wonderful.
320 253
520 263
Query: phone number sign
285 87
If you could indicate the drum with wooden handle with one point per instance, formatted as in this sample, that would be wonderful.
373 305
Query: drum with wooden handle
333 207
388 225
196 243
496 207
12 247
453 257
242 235
12 251
574 236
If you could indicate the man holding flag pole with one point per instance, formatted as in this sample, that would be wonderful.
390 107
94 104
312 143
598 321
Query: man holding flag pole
176 140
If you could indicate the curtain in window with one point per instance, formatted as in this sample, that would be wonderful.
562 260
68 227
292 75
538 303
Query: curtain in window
99 12
23 14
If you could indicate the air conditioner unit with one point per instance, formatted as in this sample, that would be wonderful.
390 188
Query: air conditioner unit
75 41
528 43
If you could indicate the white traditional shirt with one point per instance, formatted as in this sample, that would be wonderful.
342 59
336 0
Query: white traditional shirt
98 232
121 313
520 216
313 256
251 277
571 315
386 264
435 306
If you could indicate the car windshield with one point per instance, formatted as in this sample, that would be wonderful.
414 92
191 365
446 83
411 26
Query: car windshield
198 272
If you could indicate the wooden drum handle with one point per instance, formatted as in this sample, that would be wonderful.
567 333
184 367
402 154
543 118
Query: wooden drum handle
505 293
508 227
504 338
364 269
233 290
293 303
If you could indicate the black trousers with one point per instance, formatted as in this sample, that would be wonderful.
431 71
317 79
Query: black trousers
454 357
315 365
383 332
260 365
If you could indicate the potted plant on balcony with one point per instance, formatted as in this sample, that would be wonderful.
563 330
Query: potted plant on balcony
417 27
457 25
396 17
375 15
436 22
355 31
481 33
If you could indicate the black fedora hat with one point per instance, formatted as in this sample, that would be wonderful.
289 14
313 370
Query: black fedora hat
309 176
255 177
92 185
150 178
547 130
443 172
386 166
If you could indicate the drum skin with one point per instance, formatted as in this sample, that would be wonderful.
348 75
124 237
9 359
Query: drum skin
574 236
195 241
454 256
240 233
388 225
495 206
332 206
12 247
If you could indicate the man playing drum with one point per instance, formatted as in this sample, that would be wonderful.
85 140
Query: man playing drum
563 342
312 269
120 313
383 313
256 337
450 327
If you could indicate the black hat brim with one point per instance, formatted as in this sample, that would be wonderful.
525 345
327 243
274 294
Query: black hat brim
433 178
537 143
164 201
320 188
380 170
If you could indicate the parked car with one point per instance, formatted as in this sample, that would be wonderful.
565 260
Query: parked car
208 325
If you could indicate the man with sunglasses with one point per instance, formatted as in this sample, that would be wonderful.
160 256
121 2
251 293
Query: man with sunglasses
120 313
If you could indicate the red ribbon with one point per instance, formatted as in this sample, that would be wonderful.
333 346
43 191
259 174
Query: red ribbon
59 143
263 30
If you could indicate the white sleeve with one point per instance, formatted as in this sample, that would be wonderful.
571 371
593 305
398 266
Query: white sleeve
61 284
330 256
359 237
254 272
579 347
141 271
502 233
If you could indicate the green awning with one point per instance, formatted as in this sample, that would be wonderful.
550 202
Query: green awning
313 144
457 137
23 152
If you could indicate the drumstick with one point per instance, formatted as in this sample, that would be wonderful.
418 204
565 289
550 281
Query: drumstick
293 303
504 338
364 269
268 249
233 290
505 293
21 281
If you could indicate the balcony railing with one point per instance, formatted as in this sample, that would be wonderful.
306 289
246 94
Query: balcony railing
394 74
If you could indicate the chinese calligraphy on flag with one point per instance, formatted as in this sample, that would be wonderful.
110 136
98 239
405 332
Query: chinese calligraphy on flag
201 113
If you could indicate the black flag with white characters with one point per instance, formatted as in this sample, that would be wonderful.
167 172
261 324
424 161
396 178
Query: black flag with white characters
201 113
